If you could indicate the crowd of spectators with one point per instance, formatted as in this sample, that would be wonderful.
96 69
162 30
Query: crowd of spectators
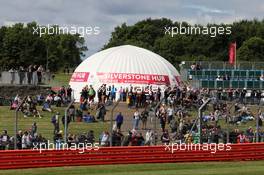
175 105
174 112
196 66
31 75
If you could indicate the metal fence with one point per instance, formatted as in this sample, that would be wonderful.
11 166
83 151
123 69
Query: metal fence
79 126
24 78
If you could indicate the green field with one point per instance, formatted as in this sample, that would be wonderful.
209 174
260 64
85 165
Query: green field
60 79
214 168
45 127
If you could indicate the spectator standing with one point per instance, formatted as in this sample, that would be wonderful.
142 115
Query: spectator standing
105 139
241 138
4 140
34 128
120 94
136 119
69 93
55 122
144 118
119 120
140 140
170 113
113 93
19 139
26 140
261 78
90 137
91 94
162 117
34 75
40 70
165 138
72 113
127 139
149 138
100 111
21 74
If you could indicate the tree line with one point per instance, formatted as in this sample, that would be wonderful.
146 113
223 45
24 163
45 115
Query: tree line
21 46
151 34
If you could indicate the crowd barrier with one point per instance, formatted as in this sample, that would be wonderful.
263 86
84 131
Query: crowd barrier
17 159
21 78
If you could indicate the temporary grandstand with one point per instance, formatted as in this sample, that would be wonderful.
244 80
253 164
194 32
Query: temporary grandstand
242 75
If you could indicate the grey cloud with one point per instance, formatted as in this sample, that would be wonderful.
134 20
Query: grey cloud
205 9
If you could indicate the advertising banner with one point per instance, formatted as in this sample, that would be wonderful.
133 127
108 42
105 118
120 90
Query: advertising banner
133 78
80 77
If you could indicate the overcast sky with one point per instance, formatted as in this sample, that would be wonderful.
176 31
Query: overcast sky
107 14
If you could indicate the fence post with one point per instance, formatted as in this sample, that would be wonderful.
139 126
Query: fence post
16 122
257 125
66 121
111 122
200 116
155 120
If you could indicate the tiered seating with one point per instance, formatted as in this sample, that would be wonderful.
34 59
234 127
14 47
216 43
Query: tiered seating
238 78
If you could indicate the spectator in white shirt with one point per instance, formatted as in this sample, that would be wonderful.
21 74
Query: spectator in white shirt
26 140
261 78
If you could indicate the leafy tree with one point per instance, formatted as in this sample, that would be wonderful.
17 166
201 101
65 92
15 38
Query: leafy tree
150 34
251 49
20 46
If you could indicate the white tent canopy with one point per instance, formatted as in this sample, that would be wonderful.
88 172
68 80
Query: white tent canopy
124 66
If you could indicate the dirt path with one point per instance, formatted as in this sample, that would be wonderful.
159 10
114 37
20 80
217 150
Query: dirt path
128 119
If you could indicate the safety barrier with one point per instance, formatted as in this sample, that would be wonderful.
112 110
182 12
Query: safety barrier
125 155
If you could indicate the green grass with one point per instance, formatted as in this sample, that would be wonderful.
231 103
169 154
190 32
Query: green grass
45 127
60 79
212 168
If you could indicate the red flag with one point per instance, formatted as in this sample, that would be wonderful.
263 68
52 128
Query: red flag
232 53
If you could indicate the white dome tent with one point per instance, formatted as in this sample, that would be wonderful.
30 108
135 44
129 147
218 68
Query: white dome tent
124 66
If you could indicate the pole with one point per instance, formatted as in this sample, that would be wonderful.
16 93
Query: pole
16 122
235 57
111 122
227 132
155 120
257 126
200 116
227 120
66 121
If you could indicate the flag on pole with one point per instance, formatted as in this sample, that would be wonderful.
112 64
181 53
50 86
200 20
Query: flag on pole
232 53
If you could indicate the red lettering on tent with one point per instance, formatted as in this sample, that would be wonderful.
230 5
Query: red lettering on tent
80 77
